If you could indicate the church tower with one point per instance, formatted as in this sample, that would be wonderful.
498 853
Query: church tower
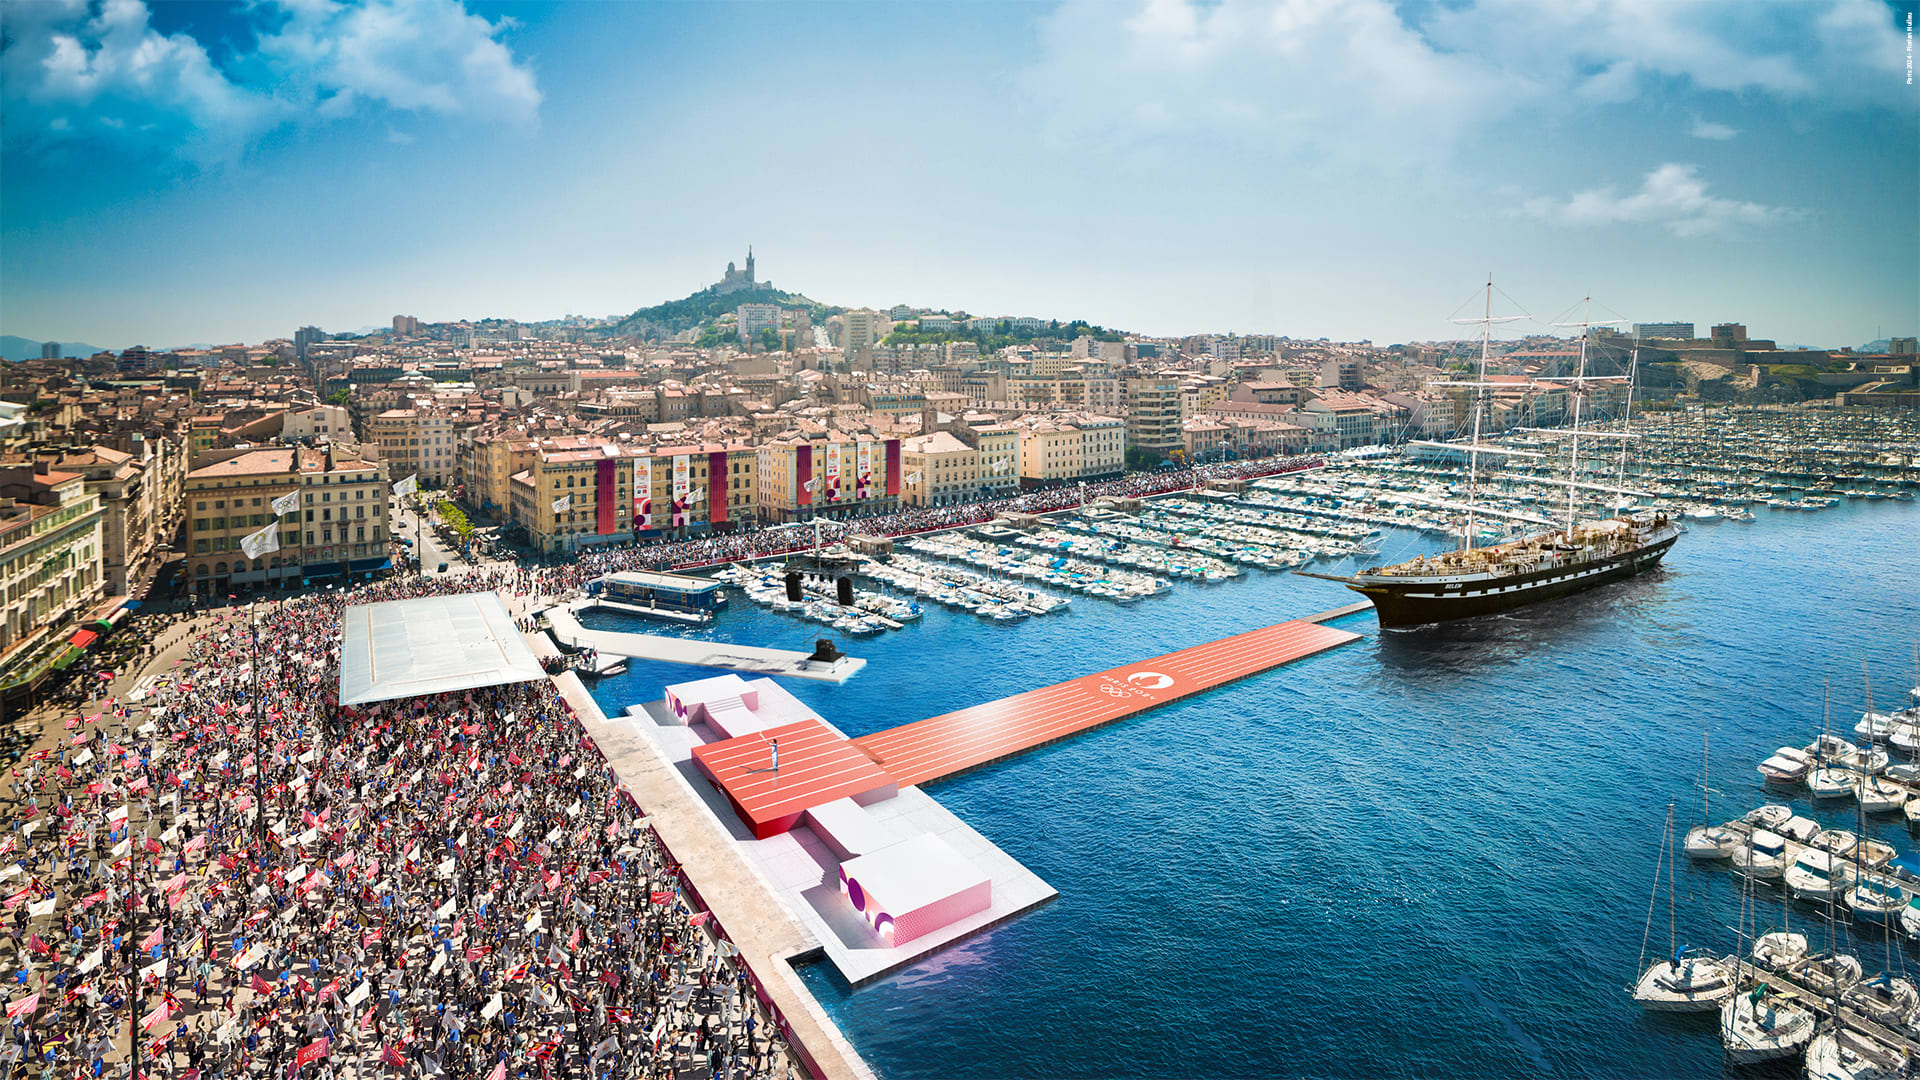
749 265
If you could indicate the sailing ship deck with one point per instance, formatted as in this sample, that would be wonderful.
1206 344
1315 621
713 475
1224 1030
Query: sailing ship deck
941 746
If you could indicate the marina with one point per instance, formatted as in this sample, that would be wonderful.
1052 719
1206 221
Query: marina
1514 744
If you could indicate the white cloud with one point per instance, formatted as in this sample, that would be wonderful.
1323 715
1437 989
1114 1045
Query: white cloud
1307 74
1708 129
318 59
1672 196
1358 77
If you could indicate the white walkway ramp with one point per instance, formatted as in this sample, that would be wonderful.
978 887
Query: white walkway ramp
715 654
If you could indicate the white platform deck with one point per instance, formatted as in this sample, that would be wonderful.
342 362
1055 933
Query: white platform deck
715 654
804 871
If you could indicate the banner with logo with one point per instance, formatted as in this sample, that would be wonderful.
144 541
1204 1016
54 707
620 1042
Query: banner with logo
682 483
803 474
642 494
833 472
863 470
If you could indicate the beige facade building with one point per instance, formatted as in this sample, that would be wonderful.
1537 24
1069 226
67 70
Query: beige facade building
414 442
800 478
565 505
939 470
338 528
51 581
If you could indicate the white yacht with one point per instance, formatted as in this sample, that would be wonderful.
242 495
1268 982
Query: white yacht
1779 950
1770 816
1877 897
1826 974
1817 875
1831 781
1707 843
1845 1053
1882 999
1910 919
1837 842
1687 983
1763 857
1764 1024
1878 795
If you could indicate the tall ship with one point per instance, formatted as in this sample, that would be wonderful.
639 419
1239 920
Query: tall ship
1571 557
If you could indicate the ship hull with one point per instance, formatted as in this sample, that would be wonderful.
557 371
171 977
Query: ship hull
1415 603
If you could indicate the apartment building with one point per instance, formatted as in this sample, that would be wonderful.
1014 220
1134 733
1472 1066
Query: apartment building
414 442
51 581
337 530
841 476
1154 407
579 494
939 470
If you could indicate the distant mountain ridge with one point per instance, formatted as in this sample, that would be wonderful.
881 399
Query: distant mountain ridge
19 348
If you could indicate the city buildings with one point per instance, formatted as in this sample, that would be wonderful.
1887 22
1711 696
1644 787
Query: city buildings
51 578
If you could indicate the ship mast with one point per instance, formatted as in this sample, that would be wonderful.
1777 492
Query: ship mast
1579 392
1479 400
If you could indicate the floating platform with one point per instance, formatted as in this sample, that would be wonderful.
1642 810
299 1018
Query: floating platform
928 750
715 654
816 765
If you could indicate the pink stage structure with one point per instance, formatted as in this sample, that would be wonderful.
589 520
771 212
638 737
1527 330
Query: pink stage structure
913 888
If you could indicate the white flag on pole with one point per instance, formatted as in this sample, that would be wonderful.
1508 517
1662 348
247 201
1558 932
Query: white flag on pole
564 503
408 486
262 542
913 477
696 495
287 504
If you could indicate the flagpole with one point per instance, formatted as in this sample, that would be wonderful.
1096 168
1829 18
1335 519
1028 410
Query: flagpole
133 966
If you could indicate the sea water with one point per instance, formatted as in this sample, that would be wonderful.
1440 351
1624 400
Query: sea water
1423 853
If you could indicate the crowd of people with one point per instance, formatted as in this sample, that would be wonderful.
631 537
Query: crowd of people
279 885
268 882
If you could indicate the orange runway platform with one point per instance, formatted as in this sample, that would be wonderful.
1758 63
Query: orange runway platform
943 745
817 767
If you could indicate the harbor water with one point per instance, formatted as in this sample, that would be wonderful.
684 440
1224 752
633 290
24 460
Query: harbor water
1422 854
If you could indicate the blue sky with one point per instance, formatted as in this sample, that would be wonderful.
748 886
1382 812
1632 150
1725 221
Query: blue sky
182 172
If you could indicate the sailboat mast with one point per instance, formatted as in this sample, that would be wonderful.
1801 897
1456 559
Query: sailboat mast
1626 427
1479 400
1579 391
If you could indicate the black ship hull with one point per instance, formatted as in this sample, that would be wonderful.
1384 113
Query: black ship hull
1419 603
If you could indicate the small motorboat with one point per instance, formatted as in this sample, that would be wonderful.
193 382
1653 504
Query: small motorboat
1763 857
1788 767
1770 816
1831 781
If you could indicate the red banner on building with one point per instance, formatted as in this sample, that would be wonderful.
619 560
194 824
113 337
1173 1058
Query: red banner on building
893 467
803 474
603 495
718 486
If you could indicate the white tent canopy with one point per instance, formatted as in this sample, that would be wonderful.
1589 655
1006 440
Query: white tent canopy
432 645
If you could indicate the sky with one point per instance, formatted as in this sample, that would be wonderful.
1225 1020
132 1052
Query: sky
1352 169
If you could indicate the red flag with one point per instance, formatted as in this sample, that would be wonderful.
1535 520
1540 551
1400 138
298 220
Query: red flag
34 943
663 898
23 1007
311 1052
153 939
699 918
261 986
611 978
499 1071
390 1056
